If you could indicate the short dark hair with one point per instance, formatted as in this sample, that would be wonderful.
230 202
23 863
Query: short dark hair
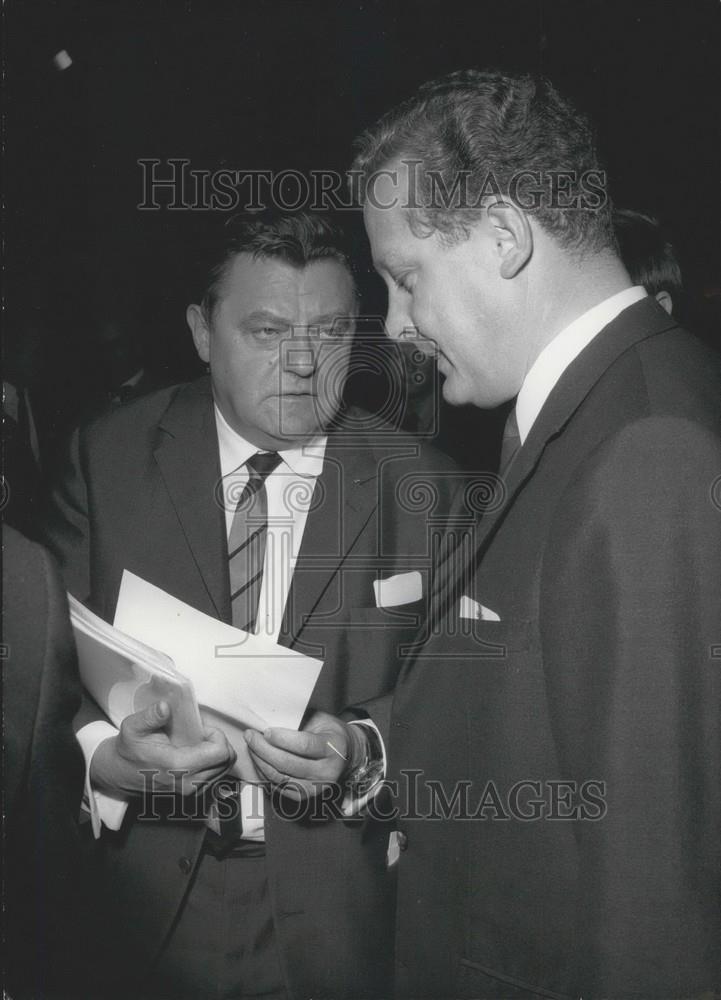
486 124
647 253
296 238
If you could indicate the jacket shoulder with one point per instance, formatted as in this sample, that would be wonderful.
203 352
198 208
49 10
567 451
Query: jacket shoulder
144 411
24 563
138 424
682 376
372 433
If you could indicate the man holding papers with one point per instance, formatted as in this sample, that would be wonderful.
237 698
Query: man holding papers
252 498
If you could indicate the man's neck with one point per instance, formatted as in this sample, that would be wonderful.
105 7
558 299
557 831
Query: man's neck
567 293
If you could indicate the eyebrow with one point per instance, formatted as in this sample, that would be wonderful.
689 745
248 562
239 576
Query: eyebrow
330 318
266 315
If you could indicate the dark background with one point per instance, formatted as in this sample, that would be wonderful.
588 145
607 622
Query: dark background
280 85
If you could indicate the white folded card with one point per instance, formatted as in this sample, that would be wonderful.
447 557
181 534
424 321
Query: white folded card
403 588
475 611
240 680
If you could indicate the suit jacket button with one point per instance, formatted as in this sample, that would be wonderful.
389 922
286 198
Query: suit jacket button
185 865
402 841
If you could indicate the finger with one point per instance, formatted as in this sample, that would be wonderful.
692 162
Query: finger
201 778
149 720
213 756
292 788
217 738
290 765
300 744
320 722
244 768
268 773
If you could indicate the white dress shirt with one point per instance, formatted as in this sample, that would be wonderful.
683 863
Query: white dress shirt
289 490
565 347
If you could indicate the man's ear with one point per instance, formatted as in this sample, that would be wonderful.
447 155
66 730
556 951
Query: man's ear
513 235
664 299
199 328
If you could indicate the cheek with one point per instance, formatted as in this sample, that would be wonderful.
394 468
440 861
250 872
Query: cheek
249 371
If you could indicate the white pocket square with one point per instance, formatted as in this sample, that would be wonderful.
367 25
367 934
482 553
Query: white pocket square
403 588
394 851
475 611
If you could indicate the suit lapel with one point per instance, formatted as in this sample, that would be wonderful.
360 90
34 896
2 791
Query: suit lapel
344 499
188 458
640 321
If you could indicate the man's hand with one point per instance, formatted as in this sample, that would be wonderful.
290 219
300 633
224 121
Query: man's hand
302 763
142 745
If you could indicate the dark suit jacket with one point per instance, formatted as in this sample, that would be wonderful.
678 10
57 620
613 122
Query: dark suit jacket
42 772
604 565
138 493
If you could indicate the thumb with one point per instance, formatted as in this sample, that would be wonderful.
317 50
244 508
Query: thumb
150 719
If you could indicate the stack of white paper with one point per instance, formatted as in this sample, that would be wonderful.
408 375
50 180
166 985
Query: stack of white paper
240 680
124 676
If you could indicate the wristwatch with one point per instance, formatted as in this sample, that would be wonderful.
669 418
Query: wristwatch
370 771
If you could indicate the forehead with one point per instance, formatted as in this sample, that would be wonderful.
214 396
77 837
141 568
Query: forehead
386 219
251 284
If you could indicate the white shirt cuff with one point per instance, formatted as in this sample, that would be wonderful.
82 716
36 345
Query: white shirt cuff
105 810
351 805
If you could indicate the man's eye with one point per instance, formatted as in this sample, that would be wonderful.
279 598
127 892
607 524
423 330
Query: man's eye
337 330
402 283
331 332
267 331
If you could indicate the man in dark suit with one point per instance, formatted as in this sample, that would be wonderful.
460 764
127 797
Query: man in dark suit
295 907
559 726
43 902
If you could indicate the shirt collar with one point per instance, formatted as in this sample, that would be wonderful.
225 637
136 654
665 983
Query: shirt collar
304 460
565 347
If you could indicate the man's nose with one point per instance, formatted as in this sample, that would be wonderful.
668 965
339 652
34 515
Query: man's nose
398 322
301 352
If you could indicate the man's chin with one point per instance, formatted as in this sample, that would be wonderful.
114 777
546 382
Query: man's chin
453 392
299 423
304 416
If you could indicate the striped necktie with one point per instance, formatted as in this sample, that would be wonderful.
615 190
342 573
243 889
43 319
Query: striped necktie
246 544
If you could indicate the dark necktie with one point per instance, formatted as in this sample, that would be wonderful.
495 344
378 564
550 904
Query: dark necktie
246 545
511 441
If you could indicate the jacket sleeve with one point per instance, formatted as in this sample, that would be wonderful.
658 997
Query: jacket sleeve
67 531
66 521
